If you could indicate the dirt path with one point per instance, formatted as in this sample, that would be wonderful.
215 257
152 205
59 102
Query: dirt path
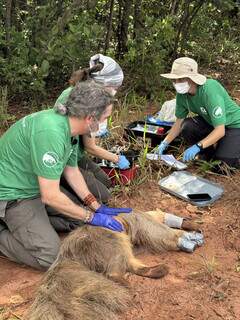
203 285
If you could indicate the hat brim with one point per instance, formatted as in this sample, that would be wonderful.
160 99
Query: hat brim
198 78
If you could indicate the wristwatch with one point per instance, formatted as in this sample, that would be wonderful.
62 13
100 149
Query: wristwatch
200 145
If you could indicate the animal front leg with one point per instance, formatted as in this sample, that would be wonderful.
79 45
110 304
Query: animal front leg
172 220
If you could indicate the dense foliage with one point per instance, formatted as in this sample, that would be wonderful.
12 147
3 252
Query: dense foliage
41 41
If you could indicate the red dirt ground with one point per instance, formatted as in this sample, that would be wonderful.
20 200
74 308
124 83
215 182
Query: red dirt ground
202 286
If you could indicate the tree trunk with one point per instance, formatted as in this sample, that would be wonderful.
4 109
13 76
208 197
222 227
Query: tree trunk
109 26
76 5
138 23
125 7
182 22
174 7
8 21
187 26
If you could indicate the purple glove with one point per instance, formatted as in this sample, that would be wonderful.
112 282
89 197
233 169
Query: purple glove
112 211
191 153
106 221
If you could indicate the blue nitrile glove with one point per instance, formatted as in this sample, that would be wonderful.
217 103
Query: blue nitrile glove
106 221
162 147
191 153
112 211
123 162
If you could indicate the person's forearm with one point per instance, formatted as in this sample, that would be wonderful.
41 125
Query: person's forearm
102 153
175 131
76 181
213 137
63 204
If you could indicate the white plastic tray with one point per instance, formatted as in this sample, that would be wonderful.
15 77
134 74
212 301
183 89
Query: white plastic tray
181 183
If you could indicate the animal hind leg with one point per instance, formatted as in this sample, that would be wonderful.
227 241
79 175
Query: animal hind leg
134 265
155 272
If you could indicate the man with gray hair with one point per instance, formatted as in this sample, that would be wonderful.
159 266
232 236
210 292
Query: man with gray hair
34 153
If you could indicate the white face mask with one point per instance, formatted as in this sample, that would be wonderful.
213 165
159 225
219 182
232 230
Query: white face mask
102 128
182 87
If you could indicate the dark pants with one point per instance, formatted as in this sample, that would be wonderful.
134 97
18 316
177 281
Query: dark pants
227 149
96 179
28 231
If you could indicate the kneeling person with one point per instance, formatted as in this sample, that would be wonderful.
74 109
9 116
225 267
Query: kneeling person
215 130
34 153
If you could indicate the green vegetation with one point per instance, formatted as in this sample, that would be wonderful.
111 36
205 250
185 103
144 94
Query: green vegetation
42 42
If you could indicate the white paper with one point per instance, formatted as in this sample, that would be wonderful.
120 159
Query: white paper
177 183
168 159
152 156
145 128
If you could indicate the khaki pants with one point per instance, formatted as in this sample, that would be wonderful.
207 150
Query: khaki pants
28 231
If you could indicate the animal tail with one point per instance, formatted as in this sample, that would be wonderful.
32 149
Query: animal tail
70 291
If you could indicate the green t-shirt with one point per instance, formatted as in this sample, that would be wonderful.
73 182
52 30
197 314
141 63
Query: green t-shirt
211 102
62 99
37 145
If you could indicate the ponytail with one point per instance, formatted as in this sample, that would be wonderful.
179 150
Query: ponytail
84 74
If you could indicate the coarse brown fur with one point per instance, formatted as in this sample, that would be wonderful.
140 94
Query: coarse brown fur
88 282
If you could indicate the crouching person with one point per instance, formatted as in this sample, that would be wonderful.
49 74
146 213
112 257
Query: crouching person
34 153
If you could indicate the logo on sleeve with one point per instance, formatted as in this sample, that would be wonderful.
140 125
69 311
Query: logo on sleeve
217 112
50 159
203 110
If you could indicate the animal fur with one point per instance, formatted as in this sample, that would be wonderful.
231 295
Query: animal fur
87 281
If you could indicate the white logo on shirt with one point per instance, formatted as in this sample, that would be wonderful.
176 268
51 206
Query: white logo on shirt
217 112
203 110
50 159
24 122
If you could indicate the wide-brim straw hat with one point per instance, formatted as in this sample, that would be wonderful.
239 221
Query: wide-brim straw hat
185 68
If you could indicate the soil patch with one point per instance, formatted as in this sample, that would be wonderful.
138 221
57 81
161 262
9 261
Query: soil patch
203 285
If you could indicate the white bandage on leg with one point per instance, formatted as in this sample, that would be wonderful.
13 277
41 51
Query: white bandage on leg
173 221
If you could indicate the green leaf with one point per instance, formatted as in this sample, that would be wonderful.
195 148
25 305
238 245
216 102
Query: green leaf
44 68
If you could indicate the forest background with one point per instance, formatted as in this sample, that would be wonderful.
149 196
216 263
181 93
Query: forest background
42 42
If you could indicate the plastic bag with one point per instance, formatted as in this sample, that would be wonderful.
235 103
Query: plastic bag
167 112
